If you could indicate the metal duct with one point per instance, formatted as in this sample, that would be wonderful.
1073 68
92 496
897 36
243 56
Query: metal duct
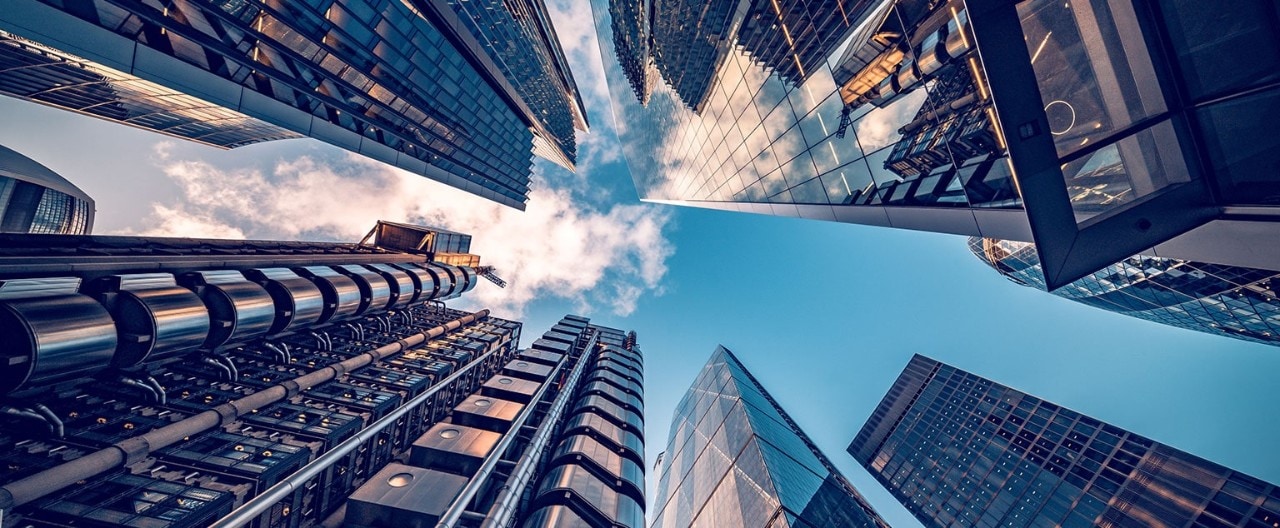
341 294
955 44
49 333
471 277
444 280
375 291
238 309
424 284
402 286
155 318
298 301
35 486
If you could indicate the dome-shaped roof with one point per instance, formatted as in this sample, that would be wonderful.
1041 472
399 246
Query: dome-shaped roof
19 167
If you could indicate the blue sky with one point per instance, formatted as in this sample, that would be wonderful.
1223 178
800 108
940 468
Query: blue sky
824 314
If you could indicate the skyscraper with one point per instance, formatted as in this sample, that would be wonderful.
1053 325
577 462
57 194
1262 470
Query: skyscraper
994 118
961 450
184 382
34 199
735 458
1232 301
458 92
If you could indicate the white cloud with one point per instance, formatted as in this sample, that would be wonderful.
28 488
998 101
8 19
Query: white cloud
558 247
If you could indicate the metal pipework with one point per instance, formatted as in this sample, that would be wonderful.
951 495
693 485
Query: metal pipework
298 301
155 318
51 333
375 291
251 510
136 448
459 505
238 309
341 294
506 503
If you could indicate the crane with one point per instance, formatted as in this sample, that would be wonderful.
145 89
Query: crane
489 273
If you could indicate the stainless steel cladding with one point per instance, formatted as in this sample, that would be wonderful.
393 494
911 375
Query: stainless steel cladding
453 447
471 277
375 291
155 318
444 280
299 301
51 334
401 495
403 290
238 309
342 297
424 283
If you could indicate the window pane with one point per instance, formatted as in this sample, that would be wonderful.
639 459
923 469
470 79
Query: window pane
1092 67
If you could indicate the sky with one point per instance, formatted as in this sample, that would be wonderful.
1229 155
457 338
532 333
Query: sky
825 315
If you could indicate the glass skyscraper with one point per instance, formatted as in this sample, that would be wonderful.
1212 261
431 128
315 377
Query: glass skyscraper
961 450
735 458
994 118
459 92
1231 301
34 199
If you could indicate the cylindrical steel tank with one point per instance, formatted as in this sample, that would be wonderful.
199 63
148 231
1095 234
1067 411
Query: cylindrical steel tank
51 335
238 309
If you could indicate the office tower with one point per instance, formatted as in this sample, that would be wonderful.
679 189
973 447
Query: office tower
461 93
995 118
187 382
1232 301
961 450
735 458
34 199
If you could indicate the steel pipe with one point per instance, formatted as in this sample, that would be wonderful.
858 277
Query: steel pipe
260 504
131 450
456 508
506 502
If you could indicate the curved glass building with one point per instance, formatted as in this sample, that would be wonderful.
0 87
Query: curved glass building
1232 301
34 199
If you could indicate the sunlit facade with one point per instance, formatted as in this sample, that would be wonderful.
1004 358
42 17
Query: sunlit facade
1231 301
34 199
430 86
918 115
735 458
961 450
184 383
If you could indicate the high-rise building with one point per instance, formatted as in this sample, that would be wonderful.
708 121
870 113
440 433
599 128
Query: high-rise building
1232 301
185 382
996 118
735 458
460 92
34 199
961 450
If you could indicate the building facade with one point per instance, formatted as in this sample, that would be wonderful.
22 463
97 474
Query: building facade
735 458
187 382
961 450
427 86
1231 301
922 115
34 199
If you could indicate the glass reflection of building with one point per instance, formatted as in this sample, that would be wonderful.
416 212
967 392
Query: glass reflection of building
961 450
898 113
1232 301
463 93
735 458
34 199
